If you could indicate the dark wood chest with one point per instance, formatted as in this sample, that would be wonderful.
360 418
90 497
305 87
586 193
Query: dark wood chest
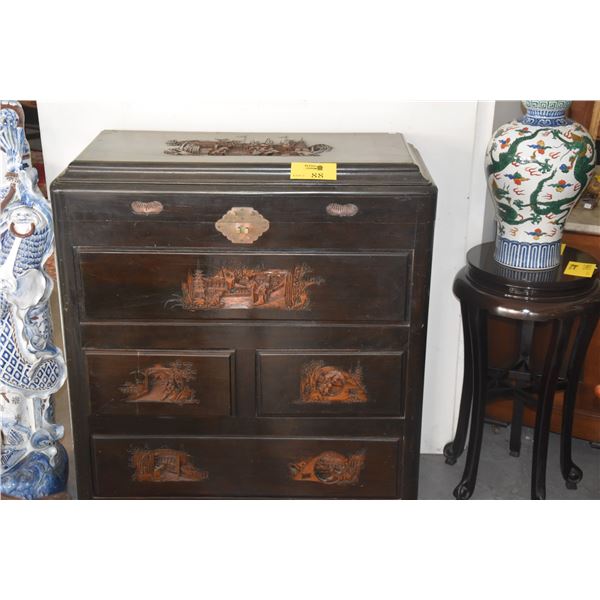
233 332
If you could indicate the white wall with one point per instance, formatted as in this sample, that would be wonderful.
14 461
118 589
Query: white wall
451 137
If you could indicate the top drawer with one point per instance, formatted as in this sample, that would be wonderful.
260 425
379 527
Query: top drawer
254 219
183 204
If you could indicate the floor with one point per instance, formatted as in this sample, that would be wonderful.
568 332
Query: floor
503 477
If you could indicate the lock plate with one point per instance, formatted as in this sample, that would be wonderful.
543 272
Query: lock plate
242 225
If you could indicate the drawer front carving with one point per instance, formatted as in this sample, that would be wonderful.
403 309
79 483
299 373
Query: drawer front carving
245 466
331 383
330 468
153 383
162 465
244 288
335 287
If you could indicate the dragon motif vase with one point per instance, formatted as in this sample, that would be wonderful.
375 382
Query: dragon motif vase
537 168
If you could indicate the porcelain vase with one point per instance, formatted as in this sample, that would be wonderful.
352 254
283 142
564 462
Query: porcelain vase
537 168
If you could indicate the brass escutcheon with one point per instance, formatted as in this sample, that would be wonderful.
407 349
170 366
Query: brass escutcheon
242 225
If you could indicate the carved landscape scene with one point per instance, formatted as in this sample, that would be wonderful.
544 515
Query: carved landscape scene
229 288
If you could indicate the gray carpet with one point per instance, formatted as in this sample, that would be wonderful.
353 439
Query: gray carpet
503 477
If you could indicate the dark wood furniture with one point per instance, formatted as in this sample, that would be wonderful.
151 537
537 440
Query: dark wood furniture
231 332
569 304
586 416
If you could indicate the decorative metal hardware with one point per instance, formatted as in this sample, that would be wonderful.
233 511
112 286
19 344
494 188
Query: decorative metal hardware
242 225
341 210
153 207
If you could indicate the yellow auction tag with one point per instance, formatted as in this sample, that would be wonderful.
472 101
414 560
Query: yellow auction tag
579 269
313 171
562 249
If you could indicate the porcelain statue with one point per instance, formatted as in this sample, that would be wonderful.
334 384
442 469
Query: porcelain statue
33 462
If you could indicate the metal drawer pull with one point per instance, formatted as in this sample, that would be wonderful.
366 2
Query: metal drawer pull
153 207
242 225
341 210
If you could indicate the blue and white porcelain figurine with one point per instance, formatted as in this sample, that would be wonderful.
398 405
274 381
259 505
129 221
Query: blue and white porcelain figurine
33 462
537 167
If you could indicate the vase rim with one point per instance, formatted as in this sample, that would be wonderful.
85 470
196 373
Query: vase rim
553 106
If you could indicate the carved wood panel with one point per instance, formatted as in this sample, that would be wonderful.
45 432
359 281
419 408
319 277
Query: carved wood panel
164 464
244 147
248 288
162 383
328 384
155 383
330 468
333 382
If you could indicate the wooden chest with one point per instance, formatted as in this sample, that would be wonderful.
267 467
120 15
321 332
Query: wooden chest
233 332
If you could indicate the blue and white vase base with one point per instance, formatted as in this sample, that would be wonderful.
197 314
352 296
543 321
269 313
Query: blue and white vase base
527 255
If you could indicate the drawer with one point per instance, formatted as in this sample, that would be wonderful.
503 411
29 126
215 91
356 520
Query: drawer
318 383
242 285
178 205
119 219
334 235
151 383
244 467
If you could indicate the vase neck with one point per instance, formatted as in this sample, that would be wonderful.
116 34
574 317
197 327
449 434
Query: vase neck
546 113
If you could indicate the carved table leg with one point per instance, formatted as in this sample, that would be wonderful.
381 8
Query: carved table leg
452 450
478 330
571 473
554 356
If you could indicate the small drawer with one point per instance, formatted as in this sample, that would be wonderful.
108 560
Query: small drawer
149 467
242 285
318 383
161 383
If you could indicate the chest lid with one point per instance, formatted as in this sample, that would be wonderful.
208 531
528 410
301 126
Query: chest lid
188 157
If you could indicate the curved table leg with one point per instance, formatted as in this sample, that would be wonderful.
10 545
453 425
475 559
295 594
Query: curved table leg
558 342
478 333
453 449
571 473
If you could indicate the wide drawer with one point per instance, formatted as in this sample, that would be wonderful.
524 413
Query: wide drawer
161 383
177 204
334 383
286 220
241 285
245 467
